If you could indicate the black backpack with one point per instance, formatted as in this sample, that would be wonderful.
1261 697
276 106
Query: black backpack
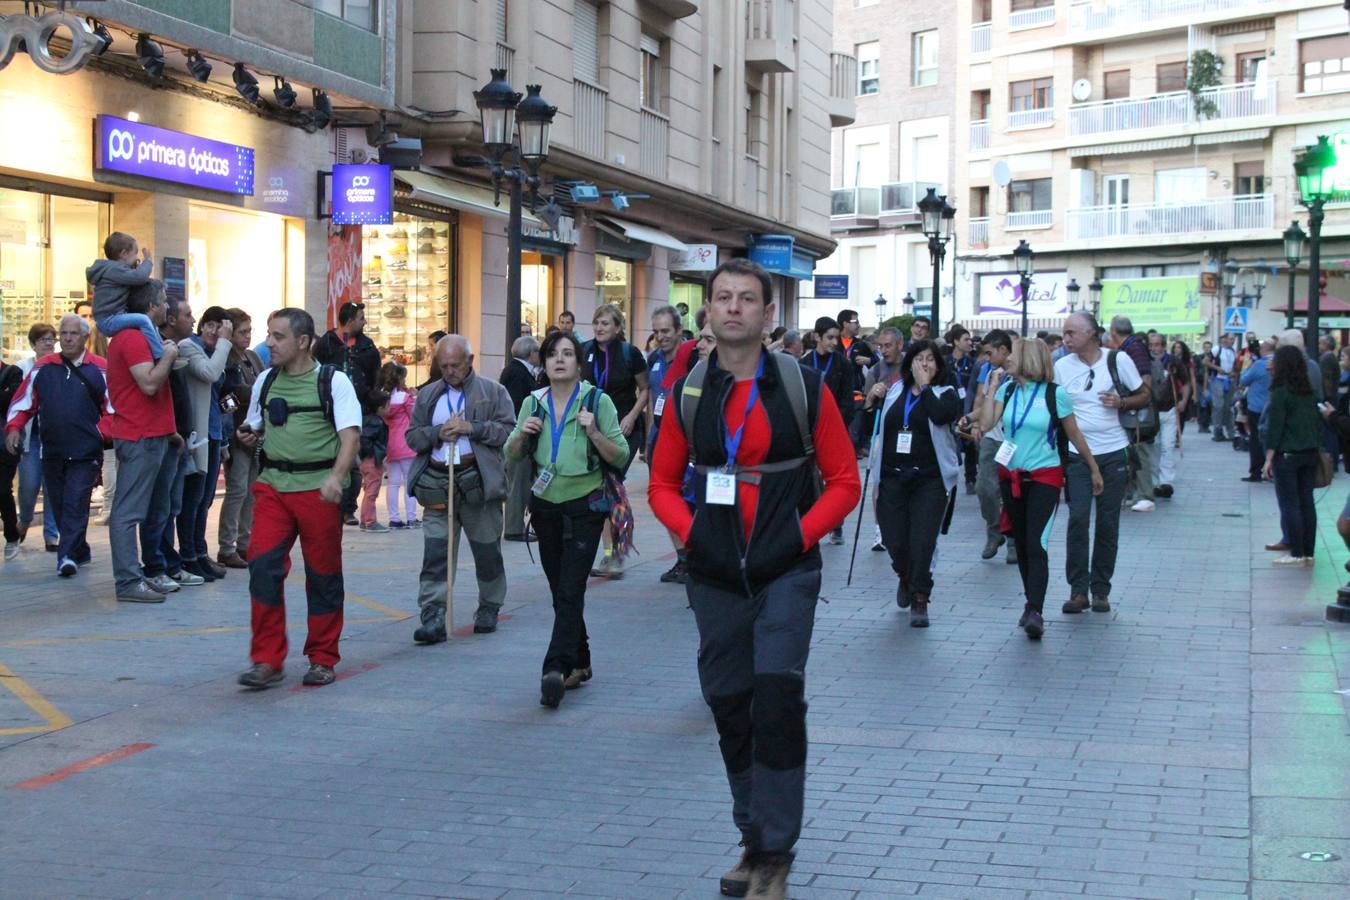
325 394
1057 432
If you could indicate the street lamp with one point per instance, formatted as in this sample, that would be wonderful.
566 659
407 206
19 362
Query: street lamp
1261 279
1073 289
881 310
1095 296
1025 259
1293 252
908 300
1310 168
938 220
515 135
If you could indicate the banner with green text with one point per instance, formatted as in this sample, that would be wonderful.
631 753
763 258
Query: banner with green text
1170 305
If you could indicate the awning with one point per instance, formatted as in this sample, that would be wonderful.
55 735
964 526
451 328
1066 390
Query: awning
1170 143
985 324
1328 304
448 192
631 231
1232 137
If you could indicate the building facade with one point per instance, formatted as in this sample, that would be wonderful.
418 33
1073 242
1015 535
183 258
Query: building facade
1143 143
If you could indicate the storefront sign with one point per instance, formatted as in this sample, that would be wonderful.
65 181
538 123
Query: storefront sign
1001 294
831 287
772 251
565 233
363 194
276 193
135 148
1170 305
698 258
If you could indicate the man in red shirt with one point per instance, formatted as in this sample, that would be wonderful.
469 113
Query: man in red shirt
754 564
142 424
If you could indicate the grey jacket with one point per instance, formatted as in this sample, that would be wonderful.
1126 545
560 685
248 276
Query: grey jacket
487 406
944 442
203 371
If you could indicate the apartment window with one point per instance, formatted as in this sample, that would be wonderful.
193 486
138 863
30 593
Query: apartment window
358 12
979 105
1186 185
752 103
586 41
1035 93
718 103
1251 66
925 56
1249 178
1116 85
649 76
981 11
1171 77
1029 195
869 66
501 21
979 203
1324 64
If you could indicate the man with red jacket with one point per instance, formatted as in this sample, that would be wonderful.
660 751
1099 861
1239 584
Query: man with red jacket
754 564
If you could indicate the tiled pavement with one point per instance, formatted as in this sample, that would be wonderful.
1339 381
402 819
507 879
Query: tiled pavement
1191 743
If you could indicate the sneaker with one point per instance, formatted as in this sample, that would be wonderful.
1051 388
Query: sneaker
1075 604
1288 560
375 528
610 567
837 536
396 525
140 593
11 549
318 675
768 876
484 620
194 566
414 523
162 583
551 688
991 546
260 676
209 566
736 883
576 678
676 574
67 568
186 578
1035 625
1144 506
1101 603
349 519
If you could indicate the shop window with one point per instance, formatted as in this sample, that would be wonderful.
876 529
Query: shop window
237 258
406 279
358 12
613 284
1324 64
924 52
869 66
1171 77
539 272
687 297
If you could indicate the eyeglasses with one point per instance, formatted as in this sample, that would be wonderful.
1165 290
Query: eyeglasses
1092 373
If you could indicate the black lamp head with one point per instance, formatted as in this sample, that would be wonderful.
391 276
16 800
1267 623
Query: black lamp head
198 66
100 32
245 83
322 113
150 55
283 92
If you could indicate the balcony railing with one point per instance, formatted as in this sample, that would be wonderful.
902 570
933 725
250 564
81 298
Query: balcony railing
1248 212
588 122
1094 15
1233 101
981 37
1031 18
1032 218
979 135
979 234
506 59
855 202
654 137
843 89
899 197
769 37
1032 118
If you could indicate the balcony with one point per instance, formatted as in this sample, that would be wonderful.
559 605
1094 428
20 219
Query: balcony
768 30
654 137
900 200
1249 212
843 108
1031 218
1031 118
979 135
506 59
855 207
1031 18
979 234
588 118
1129 15
1233 101
981 38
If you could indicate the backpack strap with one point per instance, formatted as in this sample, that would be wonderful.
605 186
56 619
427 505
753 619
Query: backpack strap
1115 375
326 394
790 375
689 397
268 380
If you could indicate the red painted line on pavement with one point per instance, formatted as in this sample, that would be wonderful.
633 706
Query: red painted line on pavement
76 768
348 672
466 630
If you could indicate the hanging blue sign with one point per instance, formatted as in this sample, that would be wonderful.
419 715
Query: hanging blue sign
772 251
831 287
134 148
363 194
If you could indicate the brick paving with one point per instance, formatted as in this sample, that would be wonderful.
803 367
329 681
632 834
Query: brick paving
1190 743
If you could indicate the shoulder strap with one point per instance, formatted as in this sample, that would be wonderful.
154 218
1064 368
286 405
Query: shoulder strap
689 397
268 380
326 393
790 375
1111 367
95 395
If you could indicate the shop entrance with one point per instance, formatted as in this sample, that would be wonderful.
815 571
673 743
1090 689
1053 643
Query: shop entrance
540 291
247 260
407 284
687 297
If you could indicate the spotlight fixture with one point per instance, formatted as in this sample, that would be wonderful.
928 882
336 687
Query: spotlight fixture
198 66
245 83
100 32
150 55
284 93
322 113
584 193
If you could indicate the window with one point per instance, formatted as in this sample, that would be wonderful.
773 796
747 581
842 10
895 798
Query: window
752 110
1036 93
1171 77
979 203
1116 85
586 41
927 162
501 24
358 12
1249 178
649 75
981 11
1251 67
979 106
925 56
869 66
1180 185
1019 5
1029 195
718 104
1324 64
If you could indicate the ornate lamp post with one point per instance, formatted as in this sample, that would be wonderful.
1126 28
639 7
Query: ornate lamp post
1024 256
1095 296
938 221
1293 252
1073 289
881 310
1261 280
1309 167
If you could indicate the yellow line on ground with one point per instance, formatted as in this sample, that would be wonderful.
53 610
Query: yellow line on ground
56 720
139 635
396 614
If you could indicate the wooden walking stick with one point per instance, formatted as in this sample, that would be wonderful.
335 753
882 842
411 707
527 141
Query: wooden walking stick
450 546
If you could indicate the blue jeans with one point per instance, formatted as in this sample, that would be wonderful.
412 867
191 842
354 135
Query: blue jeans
30 479
199 490
1294 473
110 325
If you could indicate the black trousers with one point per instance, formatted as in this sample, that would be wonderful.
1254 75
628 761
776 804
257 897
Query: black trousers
910 511
1032 515
1294 475
568 534
70 483
9 512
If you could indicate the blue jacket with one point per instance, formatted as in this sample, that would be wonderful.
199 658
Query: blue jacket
68 406
1257 382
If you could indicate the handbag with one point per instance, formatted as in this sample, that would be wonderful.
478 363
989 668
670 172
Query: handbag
1326 470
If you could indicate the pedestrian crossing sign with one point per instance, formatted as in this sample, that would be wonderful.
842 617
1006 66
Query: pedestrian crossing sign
1235 319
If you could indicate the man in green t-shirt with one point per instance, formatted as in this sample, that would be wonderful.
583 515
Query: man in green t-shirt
309 442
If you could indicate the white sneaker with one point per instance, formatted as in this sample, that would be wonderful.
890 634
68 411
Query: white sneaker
1144 506
187 579
11 550
1288 560
163 583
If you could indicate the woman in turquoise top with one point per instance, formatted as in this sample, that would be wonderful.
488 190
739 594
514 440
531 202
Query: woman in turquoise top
1030 472
567 427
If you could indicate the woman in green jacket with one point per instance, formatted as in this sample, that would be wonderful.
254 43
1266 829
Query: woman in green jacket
567 427
1292 440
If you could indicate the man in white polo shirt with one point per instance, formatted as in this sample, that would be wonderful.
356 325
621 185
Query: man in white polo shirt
1085 374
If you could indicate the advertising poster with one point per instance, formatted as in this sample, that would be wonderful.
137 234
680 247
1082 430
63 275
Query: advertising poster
344 268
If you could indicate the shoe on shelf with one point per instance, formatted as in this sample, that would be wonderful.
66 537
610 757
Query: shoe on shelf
1144 506
1075 604
991 546
375 528
1035 625
11 549
318 675
163 583
484 620
551 689
576 678
141 592
231 560
1101 603
1288 560
67 568
186 578
676 574
260 676
1278 547
736 883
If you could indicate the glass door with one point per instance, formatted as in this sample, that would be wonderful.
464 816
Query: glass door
1116 195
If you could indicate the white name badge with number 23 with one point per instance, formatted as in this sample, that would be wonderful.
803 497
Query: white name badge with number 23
1005 453
721 488
903 441
659 408
541 483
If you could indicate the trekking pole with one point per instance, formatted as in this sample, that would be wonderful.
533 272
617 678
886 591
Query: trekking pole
862 501
450 543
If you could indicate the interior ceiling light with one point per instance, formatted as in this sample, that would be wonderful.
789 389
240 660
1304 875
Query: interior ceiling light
150 55
100 31
198 66
322 113
245 83
284 93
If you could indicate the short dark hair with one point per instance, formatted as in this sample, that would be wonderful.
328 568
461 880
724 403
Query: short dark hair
917 347
141 298
349 311
845 316
213 314
301 322
435 336
824 324
40 330
739 265
88 303
117 243
568 313
956 332
552 340
924 319
701 317
997 337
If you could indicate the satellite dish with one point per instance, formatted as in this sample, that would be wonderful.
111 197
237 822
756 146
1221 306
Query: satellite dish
1002 173
1082 89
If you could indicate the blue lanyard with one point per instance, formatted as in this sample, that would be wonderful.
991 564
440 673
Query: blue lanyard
601 374
451 410
657 368
815 363
910 403
733 440
555 424
1016 423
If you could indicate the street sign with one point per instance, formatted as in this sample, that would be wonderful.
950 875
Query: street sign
831 287
1235 319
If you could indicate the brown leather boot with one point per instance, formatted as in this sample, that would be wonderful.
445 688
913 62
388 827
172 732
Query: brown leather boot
918 613
768 876
736 883
1075 604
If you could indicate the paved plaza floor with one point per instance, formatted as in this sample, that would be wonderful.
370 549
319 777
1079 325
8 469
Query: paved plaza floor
1193 742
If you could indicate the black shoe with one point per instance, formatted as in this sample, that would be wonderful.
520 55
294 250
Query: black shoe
902 595
1252 479
1163 491
484 620
676 574
431 631
349 519
526 538
551 689
1035 625
53 548
212 566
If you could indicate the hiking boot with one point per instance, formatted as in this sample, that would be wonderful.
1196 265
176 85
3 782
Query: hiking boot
902 597
768 876
141 592
232 560
676 574
736 883
318 675
484 620
918 613
432 629
260 676
576 678
1100 603
1075 604
1035 625
991 546
551 688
